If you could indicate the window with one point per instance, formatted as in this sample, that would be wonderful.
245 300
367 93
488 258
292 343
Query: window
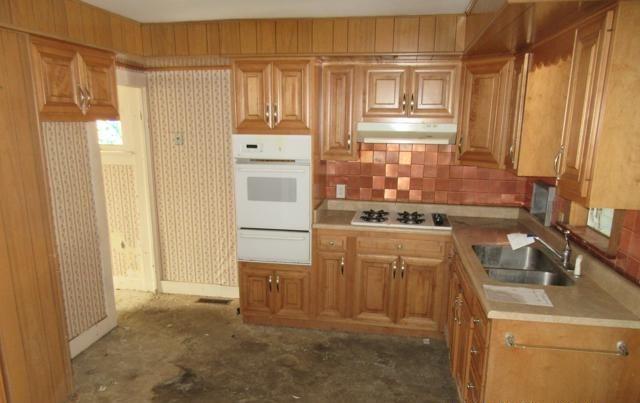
601 220
109 132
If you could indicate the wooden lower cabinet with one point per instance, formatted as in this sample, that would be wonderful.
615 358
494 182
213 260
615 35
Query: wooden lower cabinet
374 296
420 292
331 285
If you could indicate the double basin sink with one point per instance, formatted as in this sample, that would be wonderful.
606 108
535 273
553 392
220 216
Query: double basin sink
525 265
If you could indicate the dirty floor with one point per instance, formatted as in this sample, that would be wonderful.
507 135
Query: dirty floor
171 348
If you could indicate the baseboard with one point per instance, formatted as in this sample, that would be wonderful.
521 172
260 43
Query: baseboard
126 283
84 340
202 290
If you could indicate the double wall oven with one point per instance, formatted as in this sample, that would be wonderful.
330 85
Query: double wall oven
273 198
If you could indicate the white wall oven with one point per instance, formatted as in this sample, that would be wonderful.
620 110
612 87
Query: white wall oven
273 198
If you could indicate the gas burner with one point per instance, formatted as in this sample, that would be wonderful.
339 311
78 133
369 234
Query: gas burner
411 218
374 216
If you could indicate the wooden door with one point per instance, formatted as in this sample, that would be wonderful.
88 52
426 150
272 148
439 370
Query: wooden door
433 93
57 80
100 84
586 84
481 133
291 96
453 312
420 296
35 364
252 94
337 113
385 93
374 291
515 114
257 287
331 285
292 298
462 347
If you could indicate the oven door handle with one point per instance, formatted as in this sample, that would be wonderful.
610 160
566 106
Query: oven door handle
282 238
272 171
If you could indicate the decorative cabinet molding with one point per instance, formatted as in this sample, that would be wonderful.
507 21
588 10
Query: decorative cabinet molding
73 83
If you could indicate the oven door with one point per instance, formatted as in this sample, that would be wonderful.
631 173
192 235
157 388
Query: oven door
273 195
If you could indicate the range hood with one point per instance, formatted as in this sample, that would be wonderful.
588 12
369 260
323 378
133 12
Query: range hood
407 133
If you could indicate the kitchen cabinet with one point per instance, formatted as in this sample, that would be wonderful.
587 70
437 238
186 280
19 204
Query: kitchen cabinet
331 285
516 111
272 96
420 292
279 291
482 130
337 113
375 288
73 83
417 93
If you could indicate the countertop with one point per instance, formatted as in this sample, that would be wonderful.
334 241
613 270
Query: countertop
584 303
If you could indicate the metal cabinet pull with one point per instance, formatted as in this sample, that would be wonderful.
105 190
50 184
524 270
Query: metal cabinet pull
404 102
511 155
394 267
402 266
411 104
275 114
277 282
270 281
267 114
621 347
476 321
474 350
399 246
470 386
556 161
332 243
342 265
460 146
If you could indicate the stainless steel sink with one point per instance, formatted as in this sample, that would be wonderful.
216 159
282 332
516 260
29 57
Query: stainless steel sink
525 265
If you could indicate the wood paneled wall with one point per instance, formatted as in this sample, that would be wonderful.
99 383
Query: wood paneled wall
325 36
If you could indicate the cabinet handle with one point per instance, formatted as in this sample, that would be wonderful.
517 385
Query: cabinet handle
267 114
394 267
83 100
399 246
474 350
412 108
277 282
556 161
332 243
460 146
89 98
470 386
342 265
275 114
404 102
511 154
270 281
401 268
476 321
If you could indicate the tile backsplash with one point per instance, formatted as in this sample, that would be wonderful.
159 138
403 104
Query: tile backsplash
421 173
628 256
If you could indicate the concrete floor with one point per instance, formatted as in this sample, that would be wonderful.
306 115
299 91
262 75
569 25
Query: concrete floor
171 348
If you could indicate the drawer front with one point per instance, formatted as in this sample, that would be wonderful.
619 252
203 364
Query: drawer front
477 353
404 247
480 321
332 242
474 387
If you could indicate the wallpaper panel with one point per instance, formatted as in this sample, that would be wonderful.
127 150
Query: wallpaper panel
193 180
124 219
75 224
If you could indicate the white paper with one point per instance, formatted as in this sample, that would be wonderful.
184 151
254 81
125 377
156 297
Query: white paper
517 295
518 240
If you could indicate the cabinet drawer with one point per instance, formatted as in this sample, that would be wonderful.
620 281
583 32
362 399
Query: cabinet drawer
479 321
404 247
332 242
474 387
477 353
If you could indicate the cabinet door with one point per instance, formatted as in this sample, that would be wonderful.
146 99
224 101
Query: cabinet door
462 347
252 86
100 84
292 294
57 80
384 93
420 296
291 96
331 285
481 139
516 110
433 93
374 291
257 287
590 51
453 302
337 113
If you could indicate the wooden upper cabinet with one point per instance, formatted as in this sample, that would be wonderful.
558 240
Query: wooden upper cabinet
272 97
433 92
583 109
337 113
291 95
421 295
482 128
252 96
515 113
385 92
374 291
73 83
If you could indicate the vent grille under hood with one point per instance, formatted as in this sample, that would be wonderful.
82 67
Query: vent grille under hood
407 133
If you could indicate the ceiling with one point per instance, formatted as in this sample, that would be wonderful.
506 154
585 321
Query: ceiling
193 10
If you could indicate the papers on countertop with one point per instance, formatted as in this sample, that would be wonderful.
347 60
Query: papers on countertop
518 240
517 295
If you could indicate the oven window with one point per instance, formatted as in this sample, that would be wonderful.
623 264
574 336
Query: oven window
271 189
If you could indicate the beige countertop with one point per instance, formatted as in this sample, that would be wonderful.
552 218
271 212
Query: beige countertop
584 303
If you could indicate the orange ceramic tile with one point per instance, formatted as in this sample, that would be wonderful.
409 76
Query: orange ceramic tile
455 185
378 182
366 181
469 172
415 183
483 173
391 170
418 147
404 170
431 148
629 220
415 195
365 194
331 167
393 147
430 171
442 184
417 157
445 158
379 147
468 198
391 183
366 169
353 168
454 198
390 194
353 194
405 157
406 147
377 194
402 195
429 184
378 169
366 147
392 157
417 171
446 148
331 192
430 158
379 157
336 180
440 197
455 171
366 156
403 183
443 172
428 197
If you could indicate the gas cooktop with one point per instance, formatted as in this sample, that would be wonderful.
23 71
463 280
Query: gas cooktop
401 219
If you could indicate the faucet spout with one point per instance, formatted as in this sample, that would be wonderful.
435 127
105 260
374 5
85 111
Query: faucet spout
565 255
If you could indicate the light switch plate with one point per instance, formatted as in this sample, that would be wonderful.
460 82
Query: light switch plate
341 191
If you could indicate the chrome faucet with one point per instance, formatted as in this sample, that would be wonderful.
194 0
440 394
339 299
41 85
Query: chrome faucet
565 255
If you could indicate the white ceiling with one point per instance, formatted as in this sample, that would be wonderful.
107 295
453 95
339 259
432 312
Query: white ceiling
193 10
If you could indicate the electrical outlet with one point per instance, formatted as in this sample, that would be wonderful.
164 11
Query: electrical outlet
341 190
